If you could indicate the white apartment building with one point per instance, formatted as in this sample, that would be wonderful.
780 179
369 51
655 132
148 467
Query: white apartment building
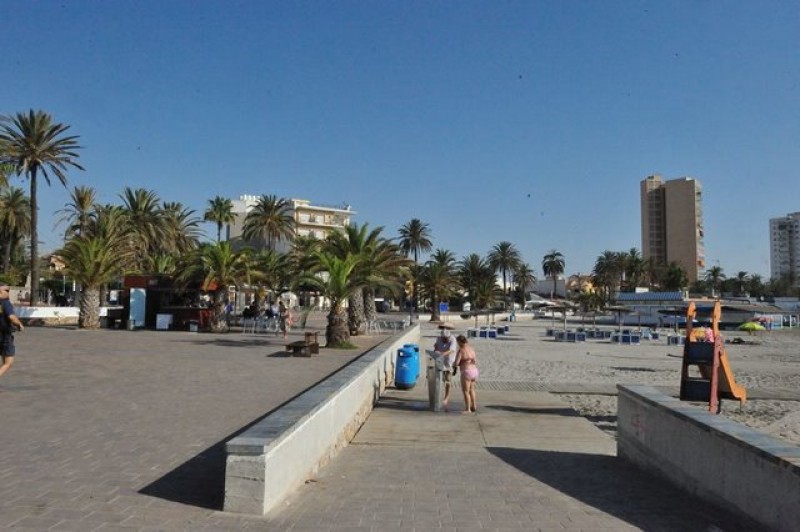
310 220
784 247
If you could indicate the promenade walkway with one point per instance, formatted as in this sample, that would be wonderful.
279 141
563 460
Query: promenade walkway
119 430
525 462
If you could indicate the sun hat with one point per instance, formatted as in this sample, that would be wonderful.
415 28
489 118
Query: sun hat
444 325
4 287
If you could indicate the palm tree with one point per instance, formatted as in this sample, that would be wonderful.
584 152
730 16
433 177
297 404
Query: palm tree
415 236
675 277
472 271
275 270
360 242
35 144
148 231
741 281
220 211
523 277
15 221
438 279
77 213
486 293
219 266
714 277
270 220
606 272
505 258
384 269
635 269
181 227
301 257
95 258
755 285
553 266
335 278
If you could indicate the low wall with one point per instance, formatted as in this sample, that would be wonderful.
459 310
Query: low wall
709 456
57 315
280 452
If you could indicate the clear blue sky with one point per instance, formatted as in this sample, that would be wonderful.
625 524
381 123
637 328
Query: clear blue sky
528 121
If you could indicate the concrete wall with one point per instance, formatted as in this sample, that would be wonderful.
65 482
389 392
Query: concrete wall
283 450
712 457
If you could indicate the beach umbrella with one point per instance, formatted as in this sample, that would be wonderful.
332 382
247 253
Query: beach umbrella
619 310
751 326
674 311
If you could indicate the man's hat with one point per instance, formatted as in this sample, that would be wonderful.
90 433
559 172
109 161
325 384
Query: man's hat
446 326
4 287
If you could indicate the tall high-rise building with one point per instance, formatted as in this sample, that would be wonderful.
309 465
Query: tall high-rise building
672 223
784 247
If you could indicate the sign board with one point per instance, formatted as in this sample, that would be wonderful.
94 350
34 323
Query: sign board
163 322
444 307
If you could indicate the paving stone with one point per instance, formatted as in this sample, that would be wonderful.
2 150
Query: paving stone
124 429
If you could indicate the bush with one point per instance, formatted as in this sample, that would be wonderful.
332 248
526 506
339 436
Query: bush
343 345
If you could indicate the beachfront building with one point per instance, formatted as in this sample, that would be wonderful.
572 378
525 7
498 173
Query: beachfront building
310 220
784 247
672 223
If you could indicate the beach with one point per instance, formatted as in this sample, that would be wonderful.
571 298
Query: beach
585 374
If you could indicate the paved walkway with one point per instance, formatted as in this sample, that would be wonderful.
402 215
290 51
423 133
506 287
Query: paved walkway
119 430
525 461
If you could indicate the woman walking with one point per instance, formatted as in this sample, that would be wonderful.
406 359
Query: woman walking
466 361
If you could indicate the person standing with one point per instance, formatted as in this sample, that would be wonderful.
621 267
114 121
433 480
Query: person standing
286 319
445 346
8 321
466 361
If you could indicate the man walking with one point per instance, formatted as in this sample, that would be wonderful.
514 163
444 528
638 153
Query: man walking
446 346
8 321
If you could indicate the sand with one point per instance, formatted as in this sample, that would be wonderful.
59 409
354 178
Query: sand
768 365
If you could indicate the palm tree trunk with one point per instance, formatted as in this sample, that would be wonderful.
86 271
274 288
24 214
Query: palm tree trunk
355 312
34 300
218 323
103 291
89 312
6 255
336 333
370 312
435 316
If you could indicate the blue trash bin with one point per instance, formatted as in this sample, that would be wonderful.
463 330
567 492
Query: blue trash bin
415 347
407 368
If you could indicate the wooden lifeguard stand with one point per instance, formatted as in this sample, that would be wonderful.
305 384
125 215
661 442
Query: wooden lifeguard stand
713 379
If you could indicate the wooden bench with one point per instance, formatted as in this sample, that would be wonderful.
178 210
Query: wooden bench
304 348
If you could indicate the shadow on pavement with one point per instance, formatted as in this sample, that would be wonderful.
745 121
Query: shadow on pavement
200 481
614 486
525 410
409 404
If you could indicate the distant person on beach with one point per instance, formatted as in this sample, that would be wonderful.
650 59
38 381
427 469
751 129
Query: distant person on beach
446 346
8 322
228 313
466 361
286 319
